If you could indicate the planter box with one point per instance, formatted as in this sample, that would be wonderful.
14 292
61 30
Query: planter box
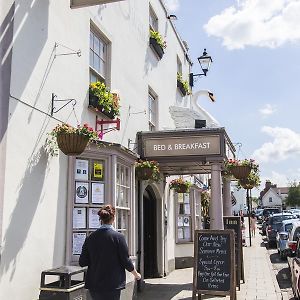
181 88
156 47
94 105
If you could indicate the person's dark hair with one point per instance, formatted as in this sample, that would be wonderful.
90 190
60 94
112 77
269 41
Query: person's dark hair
106 213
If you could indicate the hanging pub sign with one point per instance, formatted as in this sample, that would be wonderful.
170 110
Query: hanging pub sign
234 223
214 266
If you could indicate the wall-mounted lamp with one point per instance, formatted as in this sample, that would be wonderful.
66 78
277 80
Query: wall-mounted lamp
205 61
172 17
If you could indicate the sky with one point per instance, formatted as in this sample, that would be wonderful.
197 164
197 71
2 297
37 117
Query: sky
255 75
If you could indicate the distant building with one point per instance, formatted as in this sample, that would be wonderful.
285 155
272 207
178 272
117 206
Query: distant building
272 195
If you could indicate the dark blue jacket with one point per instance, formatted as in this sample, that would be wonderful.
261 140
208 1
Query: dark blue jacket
105 252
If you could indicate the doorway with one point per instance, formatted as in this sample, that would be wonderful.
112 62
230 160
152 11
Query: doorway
150 233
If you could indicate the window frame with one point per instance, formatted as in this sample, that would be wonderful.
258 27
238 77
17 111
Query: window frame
191 217
106 59
153 126
110 157
153 19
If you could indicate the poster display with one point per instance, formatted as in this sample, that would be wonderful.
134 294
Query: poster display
79 218
78 240
93 218
180 221
81 169
97 193
97 170
81 192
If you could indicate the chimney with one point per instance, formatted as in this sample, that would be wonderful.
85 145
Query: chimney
268 184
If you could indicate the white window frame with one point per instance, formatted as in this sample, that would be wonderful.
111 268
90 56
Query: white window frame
110 159
153 19
105 77
152 110
123 184
182 216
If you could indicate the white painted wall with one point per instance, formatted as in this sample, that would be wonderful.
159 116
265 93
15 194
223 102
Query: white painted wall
240 195
276 199
35 194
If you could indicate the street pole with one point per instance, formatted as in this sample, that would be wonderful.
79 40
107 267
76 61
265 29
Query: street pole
249 223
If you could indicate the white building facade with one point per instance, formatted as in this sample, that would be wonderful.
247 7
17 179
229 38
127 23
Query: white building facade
49 49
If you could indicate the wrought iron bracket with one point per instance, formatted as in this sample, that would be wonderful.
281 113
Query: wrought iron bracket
54 110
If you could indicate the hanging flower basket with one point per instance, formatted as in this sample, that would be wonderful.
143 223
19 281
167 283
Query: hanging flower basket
240 172
72 143
246 184
70 140
144 173
240 168
147 170
182 189
180 185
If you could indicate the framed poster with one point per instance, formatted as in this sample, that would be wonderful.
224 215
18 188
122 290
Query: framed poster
97 167
97 193
78 240
93 218
81 169
79 218
82 192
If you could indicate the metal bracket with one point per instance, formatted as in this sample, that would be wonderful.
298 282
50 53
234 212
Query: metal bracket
54 110
102 122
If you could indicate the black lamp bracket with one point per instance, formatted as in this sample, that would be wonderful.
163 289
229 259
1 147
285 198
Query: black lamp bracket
54 110
191 77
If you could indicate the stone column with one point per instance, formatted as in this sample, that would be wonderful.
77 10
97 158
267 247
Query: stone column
227 205
216 203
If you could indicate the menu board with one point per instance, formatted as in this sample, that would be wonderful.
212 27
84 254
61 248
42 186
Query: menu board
235 224
214 262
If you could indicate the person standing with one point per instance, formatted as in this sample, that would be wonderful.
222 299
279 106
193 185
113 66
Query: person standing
105 253
252 224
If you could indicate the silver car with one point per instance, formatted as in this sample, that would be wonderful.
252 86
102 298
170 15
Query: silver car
282 238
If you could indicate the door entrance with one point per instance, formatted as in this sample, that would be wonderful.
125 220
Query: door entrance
150 234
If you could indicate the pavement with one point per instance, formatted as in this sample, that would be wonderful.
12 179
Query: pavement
260 279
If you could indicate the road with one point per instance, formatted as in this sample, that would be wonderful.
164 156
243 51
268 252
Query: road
281 271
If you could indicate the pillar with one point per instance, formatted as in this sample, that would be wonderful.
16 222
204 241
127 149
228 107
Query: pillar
216 203
227 204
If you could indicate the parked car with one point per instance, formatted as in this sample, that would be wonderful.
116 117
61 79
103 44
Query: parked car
294 265
259 217
270 211
293 238
282 238
274 224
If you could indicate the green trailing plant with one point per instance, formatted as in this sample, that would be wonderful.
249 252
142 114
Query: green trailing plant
84 130
252 180
205 200
159 39
109 101
142 165
184 83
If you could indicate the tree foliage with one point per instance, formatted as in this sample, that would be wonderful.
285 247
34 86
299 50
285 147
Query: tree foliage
293 198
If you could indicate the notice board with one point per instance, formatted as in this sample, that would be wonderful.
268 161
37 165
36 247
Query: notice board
214 267
232 222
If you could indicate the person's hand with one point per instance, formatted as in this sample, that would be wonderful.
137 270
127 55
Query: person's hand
138 276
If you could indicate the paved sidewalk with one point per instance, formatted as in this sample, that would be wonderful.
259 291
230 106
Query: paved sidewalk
260 281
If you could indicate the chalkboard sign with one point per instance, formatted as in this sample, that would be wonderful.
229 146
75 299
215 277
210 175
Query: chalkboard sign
214 263
235 224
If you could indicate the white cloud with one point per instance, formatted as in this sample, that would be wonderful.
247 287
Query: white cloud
285 144
262 23
172 5
268 110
